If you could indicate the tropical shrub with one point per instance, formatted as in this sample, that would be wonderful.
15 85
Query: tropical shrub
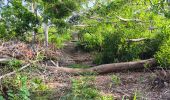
20 87
17 88
163 55
112 25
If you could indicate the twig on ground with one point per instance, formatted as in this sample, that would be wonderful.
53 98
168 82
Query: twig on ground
55 64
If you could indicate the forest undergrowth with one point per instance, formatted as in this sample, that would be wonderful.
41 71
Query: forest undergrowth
84 50
36 82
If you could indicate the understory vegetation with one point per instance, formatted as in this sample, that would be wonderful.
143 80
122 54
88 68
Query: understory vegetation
83 89
22 85
111 28
36 32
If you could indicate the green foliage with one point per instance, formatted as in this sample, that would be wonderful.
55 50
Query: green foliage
107 98
92 42
17 20
39 56
137 95
19 87
115 79
3 32
160 7
38 85
58 37
57 8
163 56
108 33
83 89
92 37
1 97
104 10
117 49
14 64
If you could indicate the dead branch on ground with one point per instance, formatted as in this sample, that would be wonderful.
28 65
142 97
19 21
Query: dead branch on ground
14 72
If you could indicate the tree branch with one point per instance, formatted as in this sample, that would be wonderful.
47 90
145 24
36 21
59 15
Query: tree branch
126 20
81 25
136 40
11 73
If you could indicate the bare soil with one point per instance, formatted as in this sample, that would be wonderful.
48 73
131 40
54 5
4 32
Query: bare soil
72 55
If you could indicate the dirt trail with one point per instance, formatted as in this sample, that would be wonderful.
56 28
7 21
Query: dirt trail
71 55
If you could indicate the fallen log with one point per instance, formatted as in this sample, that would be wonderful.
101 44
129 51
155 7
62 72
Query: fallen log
108 68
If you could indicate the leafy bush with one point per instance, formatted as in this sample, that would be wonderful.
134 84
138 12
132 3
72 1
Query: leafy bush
19 87
58 39
57 35
163 56
81 90
108 34
17 20
117 49
2 30
163 51
115 79
14 64
90 42
38 85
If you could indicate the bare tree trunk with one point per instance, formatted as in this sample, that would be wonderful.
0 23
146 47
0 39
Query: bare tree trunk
46 28
33 10
33 41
